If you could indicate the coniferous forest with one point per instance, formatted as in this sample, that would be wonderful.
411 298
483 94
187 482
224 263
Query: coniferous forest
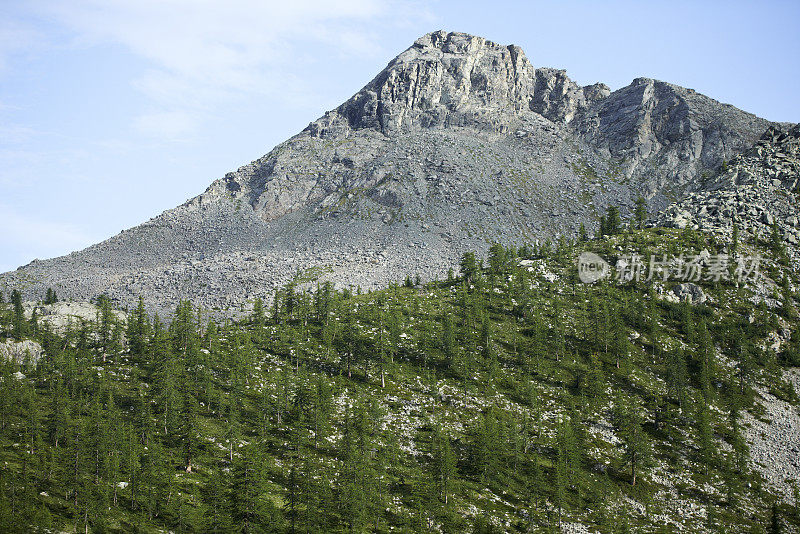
508 397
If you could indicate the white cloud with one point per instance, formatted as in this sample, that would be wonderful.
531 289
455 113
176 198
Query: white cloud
204 53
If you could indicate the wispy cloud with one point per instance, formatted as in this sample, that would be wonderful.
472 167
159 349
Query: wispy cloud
205 53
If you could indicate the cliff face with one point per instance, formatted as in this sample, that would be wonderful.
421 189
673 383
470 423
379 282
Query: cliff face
454 79
459 141
667 135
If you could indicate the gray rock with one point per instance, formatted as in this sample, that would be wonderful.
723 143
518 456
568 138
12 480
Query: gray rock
21 352
691 293
744 193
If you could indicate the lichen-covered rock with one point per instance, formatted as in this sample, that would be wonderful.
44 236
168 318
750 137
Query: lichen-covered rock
60 315
21 352
687 292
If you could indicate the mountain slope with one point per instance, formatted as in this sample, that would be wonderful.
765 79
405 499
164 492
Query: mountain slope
757 191
509 399
459 141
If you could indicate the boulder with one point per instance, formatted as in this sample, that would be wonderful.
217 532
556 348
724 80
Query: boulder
691 293
21 352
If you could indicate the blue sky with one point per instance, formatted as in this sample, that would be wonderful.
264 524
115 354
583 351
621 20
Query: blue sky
113 111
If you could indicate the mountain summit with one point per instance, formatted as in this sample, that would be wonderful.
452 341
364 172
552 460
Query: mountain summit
459 141
455 79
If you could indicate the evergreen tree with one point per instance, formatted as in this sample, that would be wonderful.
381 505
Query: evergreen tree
776 240
677 376
248 507
654 324
791 352
640 212
218 497
568 446
621 342
469 267
168 374
188 430
444 465
560 483
138 325
775 519
687 321
583 235
636 446
705 434
448 340
741 451
105 325
258 318
497 259
355 480
50 296
611 224
19 325
705 357
593 384
603 333
538 343
395 332
483 447
602 228
487 349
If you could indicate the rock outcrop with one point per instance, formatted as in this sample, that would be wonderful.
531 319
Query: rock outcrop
62 315
21 352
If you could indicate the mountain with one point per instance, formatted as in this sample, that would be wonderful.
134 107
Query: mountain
458 142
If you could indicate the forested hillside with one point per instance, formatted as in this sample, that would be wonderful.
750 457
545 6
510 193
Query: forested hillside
509 397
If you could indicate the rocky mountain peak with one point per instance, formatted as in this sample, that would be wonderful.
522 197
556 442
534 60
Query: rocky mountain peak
457 43
456 79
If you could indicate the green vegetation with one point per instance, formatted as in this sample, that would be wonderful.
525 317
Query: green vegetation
483 403
640 212
610 223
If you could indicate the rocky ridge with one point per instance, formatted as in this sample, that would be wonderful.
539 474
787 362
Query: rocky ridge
459 141
60 316
755 190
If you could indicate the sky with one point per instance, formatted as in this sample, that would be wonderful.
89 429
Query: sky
113 111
